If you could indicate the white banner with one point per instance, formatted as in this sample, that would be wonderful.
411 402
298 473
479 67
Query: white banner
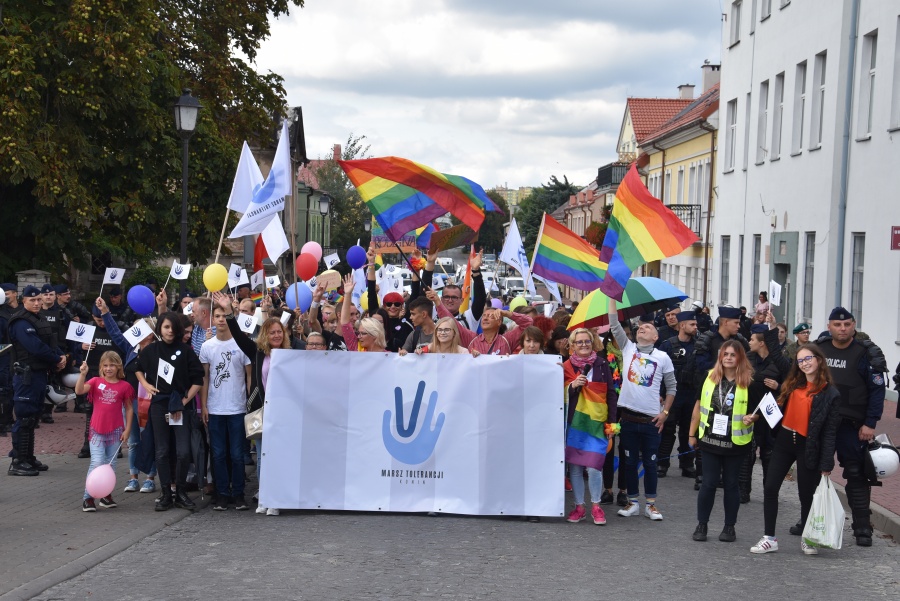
443 433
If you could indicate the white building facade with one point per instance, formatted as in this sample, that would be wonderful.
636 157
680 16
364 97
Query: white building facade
809 161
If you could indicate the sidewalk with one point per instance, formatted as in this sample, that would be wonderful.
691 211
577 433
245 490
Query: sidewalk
47 539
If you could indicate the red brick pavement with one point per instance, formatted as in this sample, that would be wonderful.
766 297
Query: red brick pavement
65 436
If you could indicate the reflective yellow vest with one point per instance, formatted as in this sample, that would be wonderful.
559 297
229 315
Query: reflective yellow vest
740 434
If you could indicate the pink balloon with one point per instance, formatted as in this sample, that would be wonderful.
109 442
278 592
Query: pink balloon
101 481
312 247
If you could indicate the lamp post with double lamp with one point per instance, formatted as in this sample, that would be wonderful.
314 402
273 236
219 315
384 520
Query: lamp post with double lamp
186 110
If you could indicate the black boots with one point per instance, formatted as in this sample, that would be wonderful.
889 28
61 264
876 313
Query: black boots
85 452
182 500
164 502
21 465
728 535
700 532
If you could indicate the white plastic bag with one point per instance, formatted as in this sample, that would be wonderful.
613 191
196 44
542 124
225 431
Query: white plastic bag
825 524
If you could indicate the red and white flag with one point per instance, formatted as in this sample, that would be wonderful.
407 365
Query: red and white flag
270 244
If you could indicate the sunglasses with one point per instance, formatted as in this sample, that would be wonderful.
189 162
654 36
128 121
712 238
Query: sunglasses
393 305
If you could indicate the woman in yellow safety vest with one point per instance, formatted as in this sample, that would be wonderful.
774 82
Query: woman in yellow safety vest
723 424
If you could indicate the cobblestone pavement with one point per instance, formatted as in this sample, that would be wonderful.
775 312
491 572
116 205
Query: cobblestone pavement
344 555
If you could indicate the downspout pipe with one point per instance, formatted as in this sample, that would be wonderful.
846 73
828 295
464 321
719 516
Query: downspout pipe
709 200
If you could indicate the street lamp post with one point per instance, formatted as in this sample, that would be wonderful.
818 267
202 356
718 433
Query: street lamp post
186 109
324 205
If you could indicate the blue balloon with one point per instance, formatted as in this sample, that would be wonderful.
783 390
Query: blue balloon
141 300
356 257
298 296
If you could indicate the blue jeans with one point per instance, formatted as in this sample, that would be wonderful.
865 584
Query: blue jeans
640 443
226 432
134 439
595 483
100 454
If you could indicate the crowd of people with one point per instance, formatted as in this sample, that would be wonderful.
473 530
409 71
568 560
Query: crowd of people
177 397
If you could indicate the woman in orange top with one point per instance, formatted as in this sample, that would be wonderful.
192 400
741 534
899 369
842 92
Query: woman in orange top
809 401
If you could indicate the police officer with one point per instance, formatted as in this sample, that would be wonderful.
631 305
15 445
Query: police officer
858 368
76 311
51 312
123 315
706 350
680 348
669 327
34 353
801 337
6 314
704 321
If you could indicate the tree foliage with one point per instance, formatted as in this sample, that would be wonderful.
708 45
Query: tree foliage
89 157
545 199
349 212
491 235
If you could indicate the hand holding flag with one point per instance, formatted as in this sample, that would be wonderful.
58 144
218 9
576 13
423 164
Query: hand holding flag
770 410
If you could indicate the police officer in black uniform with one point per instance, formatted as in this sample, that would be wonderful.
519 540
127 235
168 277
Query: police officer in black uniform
704 321
50 312
119 309
858 368
680 348
6 313
669 327
706 351
34 354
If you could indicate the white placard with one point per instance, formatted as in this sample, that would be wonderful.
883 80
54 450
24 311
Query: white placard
257 279
332 260
775 293
273 281
138 332
472 435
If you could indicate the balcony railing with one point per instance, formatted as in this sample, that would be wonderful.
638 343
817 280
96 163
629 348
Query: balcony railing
689 215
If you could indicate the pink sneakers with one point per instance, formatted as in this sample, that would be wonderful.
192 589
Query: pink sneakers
598 515
577 514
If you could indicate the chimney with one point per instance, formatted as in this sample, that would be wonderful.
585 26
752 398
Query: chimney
686 91
337 152
711 74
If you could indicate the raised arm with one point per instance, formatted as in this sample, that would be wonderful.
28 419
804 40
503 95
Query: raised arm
614 326
247 346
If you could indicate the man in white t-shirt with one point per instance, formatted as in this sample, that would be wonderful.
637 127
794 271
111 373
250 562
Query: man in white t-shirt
224 399
644 368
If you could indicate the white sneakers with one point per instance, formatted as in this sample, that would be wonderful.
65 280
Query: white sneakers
808 550
635 509
767 544
629 510
272 511
652 512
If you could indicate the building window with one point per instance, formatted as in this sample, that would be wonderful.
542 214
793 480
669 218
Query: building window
867 84
726 266
730 134
808 273
679 191
667 187
895 98
777 118
757 260
692 185
856 280
765 10
799 108
736 21
746 133
818 102
762 122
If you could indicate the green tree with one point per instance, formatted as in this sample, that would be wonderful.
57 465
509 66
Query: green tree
89 159
545 199
491 235
349 212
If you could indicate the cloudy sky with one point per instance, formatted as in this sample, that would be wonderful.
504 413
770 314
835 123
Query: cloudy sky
501 91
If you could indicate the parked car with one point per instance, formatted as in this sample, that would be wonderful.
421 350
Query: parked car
513 286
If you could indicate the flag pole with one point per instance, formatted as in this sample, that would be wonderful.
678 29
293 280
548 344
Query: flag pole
294 218
222 235
534 252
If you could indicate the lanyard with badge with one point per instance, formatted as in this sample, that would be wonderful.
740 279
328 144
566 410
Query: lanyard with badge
720 420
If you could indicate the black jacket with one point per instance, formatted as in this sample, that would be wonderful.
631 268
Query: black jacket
257 395
775 366
824 420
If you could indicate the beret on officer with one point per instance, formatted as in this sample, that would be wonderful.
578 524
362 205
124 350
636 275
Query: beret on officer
47 288
61 288
759 328
9 287
30 292
729 313
840 313
801 327
686 316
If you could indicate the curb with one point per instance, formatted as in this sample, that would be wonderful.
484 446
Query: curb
94 558
882 519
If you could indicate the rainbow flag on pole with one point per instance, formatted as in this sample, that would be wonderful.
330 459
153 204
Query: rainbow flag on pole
586 439
404 195
641 229
564 257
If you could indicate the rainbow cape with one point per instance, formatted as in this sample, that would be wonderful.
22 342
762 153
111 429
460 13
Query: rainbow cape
404 195
641 229
562 256
586 439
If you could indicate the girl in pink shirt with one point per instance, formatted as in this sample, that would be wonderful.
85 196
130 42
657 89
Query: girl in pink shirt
109 394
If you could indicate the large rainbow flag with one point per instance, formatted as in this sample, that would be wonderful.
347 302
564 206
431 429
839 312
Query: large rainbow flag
404 195
586 438
641 229
564 257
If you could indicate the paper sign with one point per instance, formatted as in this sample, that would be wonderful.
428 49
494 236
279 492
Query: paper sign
437 283
113 275
390 284
258 279
175 422
179 271
247 323
770 409
384 245
80 332
237 276
285 318
165 370
458 235
138 332
775 293
331 279
332 260
720 424
273 281
188 309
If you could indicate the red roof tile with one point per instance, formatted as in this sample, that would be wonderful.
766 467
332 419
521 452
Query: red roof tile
648 114
696 111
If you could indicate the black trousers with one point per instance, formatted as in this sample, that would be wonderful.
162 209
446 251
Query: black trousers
609 467
163 434
789 448
679 417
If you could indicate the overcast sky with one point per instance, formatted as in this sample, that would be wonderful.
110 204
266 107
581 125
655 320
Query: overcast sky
500 91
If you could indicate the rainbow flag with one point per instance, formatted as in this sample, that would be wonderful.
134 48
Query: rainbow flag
564 257
404 195
256 297
641 229
586 440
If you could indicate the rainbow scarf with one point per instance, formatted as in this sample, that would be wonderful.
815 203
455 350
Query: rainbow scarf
587 437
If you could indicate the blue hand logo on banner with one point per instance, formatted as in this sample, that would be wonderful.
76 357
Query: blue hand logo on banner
113 274
166 370
178 269
237 272
79 331
135 331
420 448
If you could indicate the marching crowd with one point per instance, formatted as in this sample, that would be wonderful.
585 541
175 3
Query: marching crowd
178 398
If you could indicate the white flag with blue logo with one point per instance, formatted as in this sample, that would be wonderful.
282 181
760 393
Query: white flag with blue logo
258 279
273 281
552 287
247 323
513 254
113 275
138 332
179 271
247 181
770 410
237 276
165 370
80 332
269 199
359 287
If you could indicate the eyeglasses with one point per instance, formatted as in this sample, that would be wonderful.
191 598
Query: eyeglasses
444 331
445 297
315 344
583 342
393 305
803 360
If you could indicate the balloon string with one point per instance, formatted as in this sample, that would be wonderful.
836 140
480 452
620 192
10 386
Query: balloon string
121 442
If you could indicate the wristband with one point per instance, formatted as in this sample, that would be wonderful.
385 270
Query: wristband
665 412
314 305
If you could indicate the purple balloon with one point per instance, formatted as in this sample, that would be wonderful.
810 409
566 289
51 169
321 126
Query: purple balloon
356 257
496 303
141 300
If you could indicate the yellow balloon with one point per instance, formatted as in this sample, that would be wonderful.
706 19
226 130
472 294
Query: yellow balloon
215 277
519 301
363 301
